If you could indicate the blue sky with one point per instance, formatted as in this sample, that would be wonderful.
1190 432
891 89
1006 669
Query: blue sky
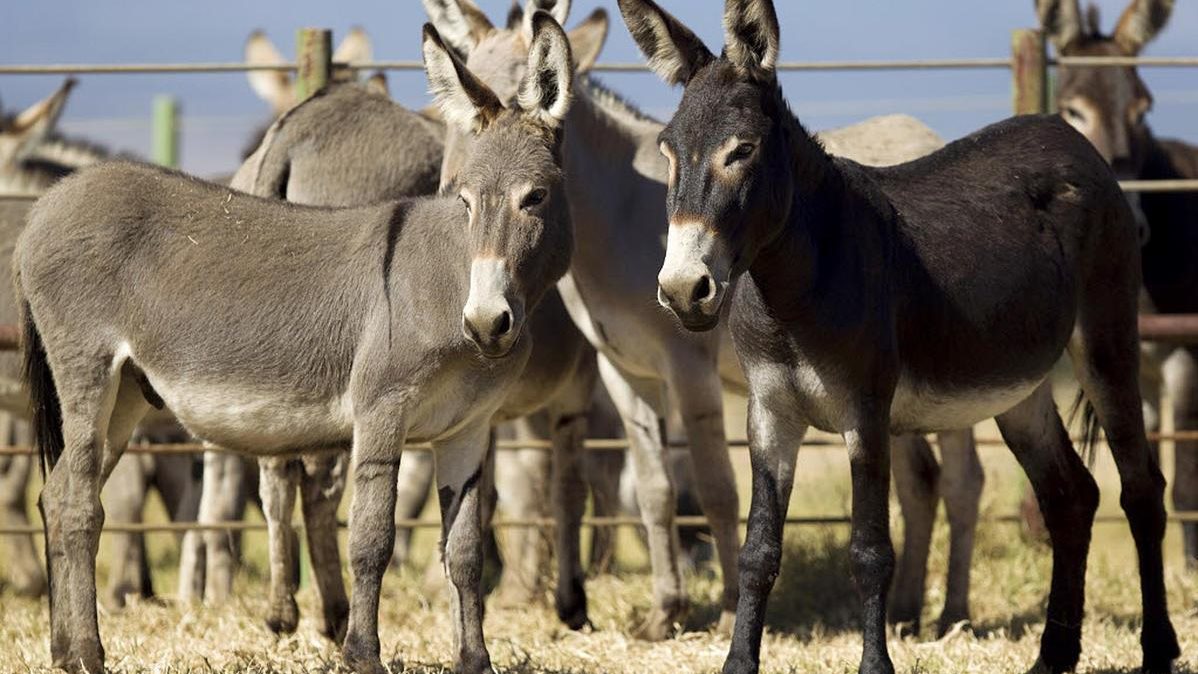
220 110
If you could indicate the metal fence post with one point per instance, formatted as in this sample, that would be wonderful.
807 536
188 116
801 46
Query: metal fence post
165 140
314 61
1029 70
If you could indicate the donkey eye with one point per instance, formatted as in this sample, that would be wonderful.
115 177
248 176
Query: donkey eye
465 202
1074 114
534 198
741 153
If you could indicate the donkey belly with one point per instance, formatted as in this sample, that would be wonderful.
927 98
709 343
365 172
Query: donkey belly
256 420
921 408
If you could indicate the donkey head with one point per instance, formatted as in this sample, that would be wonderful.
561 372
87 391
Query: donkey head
21 134
499 56
276 87
511 183
1106 104
730 172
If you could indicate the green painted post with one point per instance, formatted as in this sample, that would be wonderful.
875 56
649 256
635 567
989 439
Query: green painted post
314 60
1029 68
165 142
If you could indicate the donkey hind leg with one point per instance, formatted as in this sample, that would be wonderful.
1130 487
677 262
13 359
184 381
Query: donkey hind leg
322 483
1068 498
698 393
1106 362
1181 377
640 406
774 439
124 497
277 482
568 429
961 482
100 407
459 493
522 479
26 574
415 481
916 480
378 443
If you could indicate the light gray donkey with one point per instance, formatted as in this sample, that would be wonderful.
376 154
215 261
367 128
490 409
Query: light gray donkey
276 329
338 148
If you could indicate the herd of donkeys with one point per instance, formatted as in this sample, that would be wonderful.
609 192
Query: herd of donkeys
373 276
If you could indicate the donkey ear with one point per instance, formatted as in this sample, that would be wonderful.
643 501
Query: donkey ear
1141 22
673 51
1061 21
464 100
558 9
28 129
460 22
587 40
355 47
515 16
272 86
545 91
377 83
751 35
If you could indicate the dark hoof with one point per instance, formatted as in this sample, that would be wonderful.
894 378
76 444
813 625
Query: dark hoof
475 665
90 663
950 624
335 622
571 605
876 664
1160 648
362 660
1060 647
283 619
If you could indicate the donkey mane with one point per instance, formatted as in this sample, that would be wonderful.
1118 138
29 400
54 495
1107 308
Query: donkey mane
613 103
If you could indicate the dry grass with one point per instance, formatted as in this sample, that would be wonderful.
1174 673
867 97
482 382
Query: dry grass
812 618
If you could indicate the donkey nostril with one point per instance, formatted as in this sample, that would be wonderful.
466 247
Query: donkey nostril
502 325
703 290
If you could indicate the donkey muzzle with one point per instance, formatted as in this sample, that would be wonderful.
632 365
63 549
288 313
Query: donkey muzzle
490 319
693 279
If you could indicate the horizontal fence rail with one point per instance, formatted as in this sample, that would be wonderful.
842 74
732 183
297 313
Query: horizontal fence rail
983 63
525 523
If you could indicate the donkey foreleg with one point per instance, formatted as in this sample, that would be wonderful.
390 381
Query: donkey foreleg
278 478
322 483
522 479
221 501
774 439
643 423
870 548
378 443
414 482
569 431
459 493
1181 376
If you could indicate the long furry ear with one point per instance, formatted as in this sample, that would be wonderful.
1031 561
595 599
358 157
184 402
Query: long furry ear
515 16
272 86
356 47
377 84
752 35
31 127
558 9
1141 22
461 23
1061 21
464 100
673 51
587 40
548 82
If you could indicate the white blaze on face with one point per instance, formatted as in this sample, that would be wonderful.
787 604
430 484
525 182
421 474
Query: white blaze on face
693 251
489 285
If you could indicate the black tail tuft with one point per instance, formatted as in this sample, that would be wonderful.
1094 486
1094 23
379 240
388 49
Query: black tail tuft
45 409
1090 427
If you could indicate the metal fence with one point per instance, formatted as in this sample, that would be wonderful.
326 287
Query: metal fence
1029 64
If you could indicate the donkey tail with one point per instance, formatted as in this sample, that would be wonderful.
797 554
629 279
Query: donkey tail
1089 421
45 408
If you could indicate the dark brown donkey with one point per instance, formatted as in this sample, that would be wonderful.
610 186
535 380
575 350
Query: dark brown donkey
1109 106
922 297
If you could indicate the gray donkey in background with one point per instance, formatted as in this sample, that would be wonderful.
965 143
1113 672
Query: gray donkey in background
275 329
338 148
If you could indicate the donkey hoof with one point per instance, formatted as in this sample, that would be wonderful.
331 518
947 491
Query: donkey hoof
1160 649
334 623
1061 647
726 624
283 619
91 663
363 663
662 623
571 605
